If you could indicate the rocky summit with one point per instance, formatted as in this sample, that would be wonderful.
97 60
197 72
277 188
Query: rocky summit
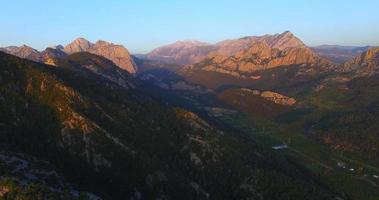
116 53
366 63
259 56
23 51
190 52
78 45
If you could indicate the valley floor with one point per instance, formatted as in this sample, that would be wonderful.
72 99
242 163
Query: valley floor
348 173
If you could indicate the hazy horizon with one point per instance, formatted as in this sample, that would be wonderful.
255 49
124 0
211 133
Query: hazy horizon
142 26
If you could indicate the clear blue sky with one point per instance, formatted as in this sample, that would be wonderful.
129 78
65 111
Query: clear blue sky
142 25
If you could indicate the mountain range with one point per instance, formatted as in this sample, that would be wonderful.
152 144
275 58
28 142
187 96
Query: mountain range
259 117
116 53
190 52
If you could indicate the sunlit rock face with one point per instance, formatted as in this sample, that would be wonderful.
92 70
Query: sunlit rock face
190 52
118 54
23 52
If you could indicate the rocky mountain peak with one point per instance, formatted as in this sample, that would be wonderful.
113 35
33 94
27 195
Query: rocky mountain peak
366 63
50 53
23 51
78 45
284 40
116 53
191 52
259 56
370 56
287 34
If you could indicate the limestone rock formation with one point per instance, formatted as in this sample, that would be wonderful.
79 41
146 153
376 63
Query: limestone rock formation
278 98
272 96
23 52
190 52
78 45
116 53
50 53
366 63
260 56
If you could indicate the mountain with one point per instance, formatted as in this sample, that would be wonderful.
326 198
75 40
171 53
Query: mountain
120 143
116 53
259 56
278 41
50 53
260 66
98 65
78 45
190 52
181 52
367 63
23 52
339 54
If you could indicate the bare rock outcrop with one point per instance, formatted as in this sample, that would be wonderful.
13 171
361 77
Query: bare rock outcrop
366 63
23 52
78 45
260 56
191 52
116 53
272 96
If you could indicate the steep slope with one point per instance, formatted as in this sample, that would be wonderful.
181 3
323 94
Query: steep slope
23 52
78 45
278 41
118 54
259 56
98 65
122 144
260 67
364 64
190 52
51 53
27 177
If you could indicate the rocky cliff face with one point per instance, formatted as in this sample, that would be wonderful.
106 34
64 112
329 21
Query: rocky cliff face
259 56
23 52
50 53
366 63
78 45
271 96
116 53
193 52
278 41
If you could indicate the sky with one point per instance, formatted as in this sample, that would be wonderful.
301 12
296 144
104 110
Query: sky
142 25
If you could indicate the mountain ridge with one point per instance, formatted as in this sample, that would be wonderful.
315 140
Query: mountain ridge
195 52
